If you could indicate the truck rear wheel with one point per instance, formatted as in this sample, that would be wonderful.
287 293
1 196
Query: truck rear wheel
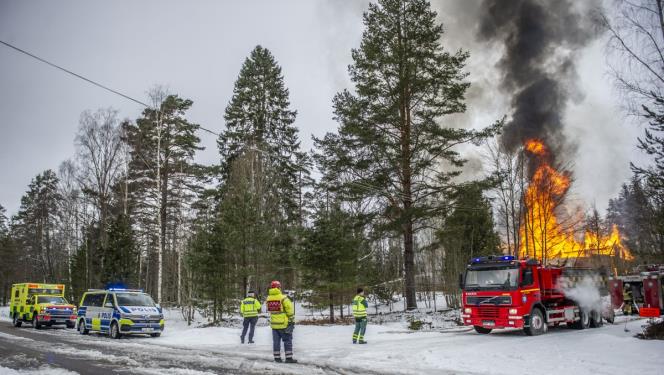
583 322
16 322
482 330
595 319
537 324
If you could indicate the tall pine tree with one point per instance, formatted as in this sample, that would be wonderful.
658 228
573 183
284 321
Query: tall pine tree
392 144
163 143
260 122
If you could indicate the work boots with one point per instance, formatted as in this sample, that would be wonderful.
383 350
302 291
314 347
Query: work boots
291 360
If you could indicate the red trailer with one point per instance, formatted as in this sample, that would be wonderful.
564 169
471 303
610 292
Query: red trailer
502 292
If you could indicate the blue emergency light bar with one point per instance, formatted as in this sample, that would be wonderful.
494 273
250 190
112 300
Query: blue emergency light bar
124 290
492 259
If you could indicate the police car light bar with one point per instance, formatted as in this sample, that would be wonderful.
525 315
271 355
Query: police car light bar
124 290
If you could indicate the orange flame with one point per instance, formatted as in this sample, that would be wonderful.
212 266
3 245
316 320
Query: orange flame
542 235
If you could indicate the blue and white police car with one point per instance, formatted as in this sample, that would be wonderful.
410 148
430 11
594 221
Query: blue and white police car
119 311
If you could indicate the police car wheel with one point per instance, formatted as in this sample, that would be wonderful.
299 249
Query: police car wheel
81 327
114 332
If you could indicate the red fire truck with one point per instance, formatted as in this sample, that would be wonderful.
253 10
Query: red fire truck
646 285
502 292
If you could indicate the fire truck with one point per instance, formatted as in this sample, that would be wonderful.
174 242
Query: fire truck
646 285
503 292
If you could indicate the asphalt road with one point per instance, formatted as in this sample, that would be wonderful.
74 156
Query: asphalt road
58 348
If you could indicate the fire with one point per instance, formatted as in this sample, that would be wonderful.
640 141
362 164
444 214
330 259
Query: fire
542 234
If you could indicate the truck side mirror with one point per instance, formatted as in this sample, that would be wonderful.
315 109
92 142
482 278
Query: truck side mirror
460 281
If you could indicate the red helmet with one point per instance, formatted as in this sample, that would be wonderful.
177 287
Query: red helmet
275 284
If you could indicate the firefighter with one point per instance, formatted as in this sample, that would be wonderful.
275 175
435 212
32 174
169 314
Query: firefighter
627 300
249 308
360 306
282 321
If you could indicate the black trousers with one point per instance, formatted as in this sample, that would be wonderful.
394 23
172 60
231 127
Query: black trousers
250 324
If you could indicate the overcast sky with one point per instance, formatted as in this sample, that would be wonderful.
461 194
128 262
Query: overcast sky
196 50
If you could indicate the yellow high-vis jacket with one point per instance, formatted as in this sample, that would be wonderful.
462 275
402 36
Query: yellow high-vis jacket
280 308
250 307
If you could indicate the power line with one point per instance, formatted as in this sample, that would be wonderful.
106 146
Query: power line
79 76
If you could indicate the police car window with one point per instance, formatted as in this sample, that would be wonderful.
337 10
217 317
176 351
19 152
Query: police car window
51 299
134 299
94 300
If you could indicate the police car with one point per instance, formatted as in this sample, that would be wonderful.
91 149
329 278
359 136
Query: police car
119 311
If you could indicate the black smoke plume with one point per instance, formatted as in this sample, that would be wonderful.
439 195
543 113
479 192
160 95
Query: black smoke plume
541 40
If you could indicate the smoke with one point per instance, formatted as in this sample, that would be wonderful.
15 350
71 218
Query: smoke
541 40
584 292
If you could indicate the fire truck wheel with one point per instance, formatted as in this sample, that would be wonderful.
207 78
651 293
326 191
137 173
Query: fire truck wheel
610 316
81 327
17 323
35 322
583 322
537 324
482 330
595 319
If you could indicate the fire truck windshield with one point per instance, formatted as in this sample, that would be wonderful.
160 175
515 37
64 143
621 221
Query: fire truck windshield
491 278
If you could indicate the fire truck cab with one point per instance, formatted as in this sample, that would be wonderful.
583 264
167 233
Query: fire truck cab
502 292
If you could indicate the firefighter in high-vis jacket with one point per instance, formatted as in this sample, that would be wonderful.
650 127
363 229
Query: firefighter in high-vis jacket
249 308
360 306
282 321
628 300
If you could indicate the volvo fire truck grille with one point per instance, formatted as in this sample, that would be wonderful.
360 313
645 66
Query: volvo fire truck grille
488 312
496 300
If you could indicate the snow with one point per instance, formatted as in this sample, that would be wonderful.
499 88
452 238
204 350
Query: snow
44 370
394 349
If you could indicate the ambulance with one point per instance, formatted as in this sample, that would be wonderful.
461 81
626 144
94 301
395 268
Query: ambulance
119 311
41 305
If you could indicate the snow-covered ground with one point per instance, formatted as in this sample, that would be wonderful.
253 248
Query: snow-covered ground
394 349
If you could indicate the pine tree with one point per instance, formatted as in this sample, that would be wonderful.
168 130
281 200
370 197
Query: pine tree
259 119
35 225
329 258
391 143
120 253
467 231
162 171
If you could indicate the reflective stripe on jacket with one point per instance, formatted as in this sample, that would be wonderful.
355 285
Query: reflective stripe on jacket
280 308
250 307
360 306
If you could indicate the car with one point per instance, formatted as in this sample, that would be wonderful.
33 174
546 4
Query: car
118 312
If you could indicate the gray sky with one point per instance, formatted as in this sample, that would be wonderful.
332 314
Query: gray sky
196 50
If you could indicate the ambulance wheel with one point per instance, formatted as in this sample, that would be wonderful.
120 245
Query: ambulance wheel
537 324
35 322
482 330
81 327
155 334
610 316
595 319
114 332
16 322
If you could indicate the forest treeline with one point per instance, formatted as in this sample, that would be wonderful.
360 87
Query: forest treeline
389 209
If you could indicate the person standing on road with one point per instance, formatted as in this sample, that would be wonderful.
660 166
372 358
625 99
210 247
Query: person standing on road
628 300
282 321
360 306
249 308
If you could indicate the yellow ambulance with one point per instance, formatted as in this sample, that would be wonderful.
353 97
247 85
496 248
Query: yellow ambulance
41 305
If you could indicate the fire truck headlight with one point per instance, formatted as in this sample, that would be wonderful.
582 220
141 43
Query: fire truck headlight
467 310
513 312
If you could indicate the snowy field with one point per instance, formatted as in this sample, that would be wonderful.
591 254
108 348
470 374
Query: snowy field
393 349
